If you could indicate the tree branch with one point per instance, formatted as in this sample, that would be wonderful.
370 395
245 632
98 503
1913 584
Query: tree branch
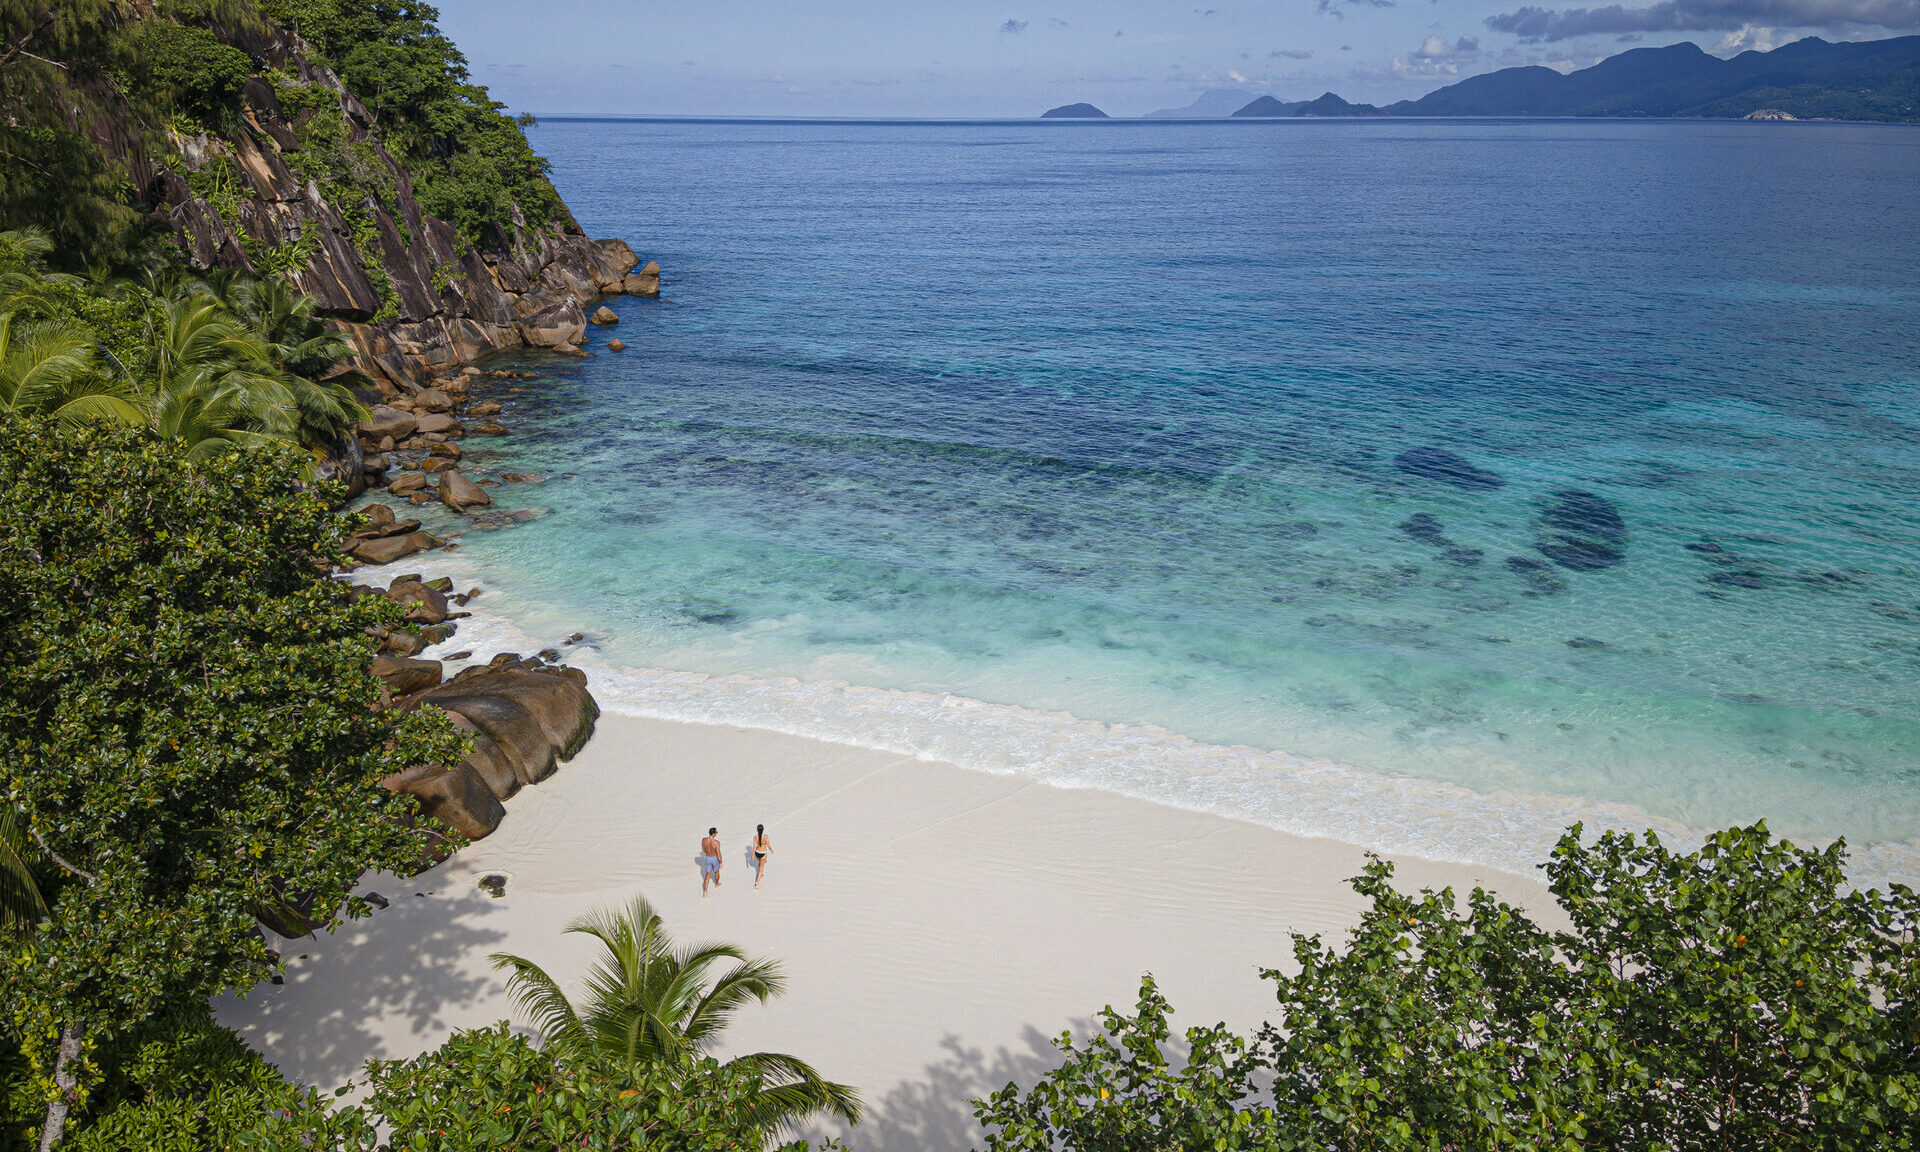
20 49
60 860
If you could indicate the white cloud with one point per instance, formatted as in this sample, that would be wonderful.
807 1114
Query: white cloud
1751 38
1534 23
1436 59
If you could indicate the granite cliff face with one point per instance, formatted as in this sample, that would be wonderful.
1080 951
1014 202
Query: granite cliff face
414 295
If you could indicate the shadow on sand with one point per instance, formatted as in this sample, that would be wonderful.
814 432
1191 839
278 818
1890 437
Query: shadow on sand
934 1112
397 971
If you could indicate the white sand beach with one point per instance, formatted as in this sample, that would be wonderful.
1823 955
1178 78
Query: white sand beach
938 925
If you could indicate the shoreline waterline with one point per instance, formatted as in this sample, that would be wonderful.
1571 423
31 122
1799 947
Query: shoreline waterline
1304 796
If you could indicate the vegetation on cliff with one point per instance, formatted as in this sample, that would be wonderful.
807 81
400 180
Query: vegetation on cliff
470 162
98 95
338 144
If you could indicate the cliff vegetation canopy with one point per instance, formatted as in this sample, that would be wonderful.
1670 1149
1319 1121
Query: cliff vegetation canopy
97 94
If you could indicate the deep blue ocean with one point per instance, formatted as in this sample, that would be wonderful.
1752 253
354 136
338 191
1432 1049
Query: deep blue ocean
1431 485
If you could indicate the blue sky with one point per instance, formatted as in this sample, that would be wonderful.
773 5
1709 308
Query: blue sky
1015 58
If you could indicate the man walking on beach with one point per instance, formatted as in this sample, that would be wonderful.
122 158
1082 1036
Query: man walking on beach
710 860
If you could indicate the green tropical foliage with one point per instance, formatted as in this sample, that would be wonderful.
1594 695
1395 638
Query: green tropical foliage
142 68
180 68
1741 996
179 1082
21 904
216 362
187 725
471 163
649 1002
49 368
51 174
188 1085
490 1089
303 350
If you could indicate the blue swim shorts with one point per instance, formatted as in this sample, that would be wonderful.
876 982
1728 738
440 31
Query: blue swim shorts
709 863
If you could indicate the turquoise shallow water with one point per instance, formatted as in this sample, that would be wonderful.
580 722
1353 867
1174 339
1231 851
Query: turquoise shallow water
1113 421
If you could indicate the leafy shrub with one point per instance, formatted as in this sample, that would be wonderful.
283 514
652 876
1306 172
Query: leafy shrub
489 1088
1736 997
181 1083
191 70
186 721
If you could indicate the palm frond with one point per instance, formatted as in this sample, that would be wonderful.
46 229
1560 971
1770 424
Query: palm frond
760 980
648 1002
20 899
40 359
539 997
790 1089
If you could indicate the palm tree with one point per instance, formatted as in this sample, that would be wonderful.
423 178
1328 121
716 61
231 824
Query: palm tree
26 283
302 346
648 1002
48 368
215 386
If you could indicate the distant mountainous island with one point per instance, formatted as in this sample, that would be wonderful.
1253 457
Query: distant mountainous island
1217 103
1805 80
1073 112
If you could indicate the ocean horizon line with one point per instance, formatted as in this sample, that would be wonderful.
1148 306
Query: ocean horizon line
974 121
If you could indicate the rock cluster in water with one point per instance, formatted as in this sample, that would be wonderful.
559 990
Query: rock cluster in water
525 715
1425 528
1582 531
1448 468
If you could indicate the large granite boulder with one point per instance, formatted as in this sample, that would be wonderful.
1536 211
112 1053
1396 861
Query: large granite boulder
488 760
516 732
554 325
386 421
424 604
459 493
532 720
343 462
404 675
387 549
457 797
645 282
563 707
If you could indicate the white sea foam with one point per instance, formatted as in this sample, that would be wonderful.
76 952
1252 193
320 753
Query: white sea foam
1389 814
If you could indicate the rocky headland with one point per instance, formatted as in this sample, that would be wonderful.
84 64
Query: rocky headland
304 184
526 714
414 294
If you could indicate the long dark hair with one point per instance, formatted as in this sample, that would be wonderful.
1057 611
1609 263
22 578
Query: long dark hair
760 829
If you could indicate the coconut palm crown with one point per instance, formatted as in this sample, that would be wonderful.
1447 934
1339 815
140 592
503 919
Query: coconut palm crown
648 1001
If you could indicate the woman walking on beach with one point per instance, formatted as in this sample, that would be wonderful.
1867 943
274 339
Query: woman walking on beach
761 846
